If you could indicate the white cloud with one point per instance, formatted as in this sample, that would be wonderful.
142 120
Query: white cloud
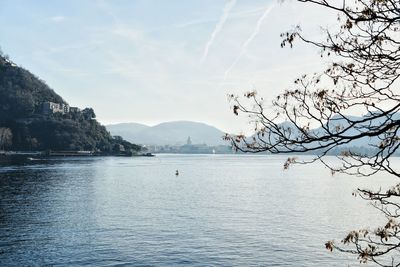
57 18
250 39
225 13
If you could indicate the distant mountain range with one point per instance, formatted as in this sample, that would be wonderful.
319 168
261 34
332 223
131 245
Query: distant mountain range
363 145
177 133
169 133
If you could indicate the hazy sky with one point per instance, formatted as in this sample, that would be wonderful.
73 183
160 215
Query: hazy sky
152 61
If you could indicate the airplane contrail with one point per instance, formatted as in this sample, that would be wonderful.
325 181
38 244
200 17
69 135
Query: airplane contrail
250 39
225 13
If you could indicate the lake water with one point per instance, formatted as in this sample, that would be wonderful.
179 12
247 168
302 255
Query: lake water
222 210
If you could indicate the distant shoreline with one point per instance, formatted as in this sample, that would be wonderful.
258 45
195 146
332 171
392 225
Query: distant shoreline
6 156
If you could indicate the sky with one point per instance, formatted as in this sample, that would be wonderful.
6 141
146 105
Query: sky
152 61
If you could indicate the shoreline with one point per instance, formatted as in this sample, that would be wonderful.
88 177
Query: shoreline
9 156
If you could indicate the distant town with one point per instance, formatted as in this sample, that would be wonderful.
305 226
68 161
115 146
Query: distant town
190 148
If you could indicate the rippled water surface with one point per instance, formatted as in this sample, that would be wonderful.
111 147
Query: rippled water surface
222 210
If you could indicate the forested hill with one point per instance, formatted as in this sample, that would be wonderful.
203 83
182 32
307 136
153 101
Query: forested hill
21 93
25 124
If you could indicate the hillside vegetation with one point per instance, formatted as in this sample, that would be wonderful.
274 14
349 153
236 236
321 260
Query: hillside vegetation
24 125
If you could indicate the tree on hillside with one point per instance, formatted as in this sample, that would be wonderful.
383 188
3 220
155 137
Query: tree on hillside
88 114
5 138
313 115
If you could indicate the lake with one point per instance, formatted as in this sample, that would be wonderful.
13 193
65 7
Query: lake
222 210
